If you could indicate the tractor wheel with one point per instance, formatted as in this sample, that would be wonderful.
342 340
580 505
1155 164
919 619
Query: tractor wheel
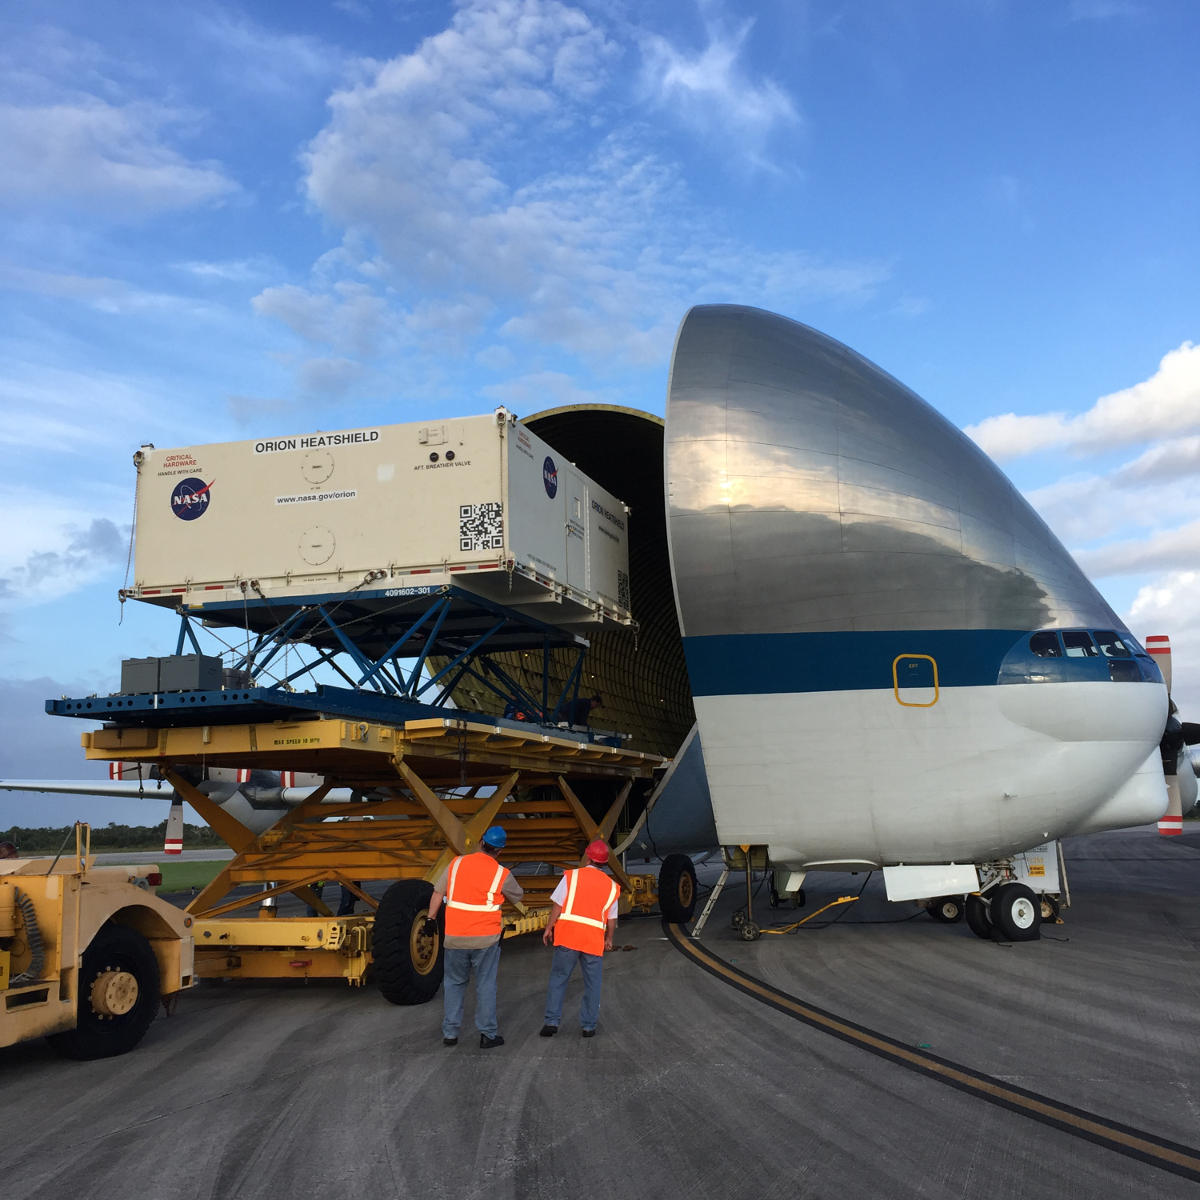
408 961
118 996
677 889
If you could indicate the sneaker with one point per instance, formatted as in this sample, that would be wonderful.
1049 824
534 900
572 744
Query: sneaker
486 1043
449 1041
588 1032
548 1031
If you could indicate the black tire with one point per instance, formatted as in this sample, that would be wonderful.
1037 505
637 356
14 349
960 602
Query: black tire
1016 913
1049 907
947 909
118 996
978 920
677 889
408 963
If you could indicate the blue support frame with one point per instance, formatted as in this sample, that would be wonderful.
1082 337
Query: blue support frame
396 673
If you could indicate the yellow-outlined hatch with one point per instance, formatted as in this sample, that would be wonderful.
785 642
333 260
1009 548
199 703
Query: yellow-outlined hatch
914 679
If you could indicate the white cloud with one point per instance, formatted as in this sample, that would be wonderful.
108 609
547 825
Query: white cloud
1176 459
50 399
498 160
1164 550
84 153
1170 604
239 270
1166 404
1159 603
49 548
712 92
254 58
496 357
448 324
98 292
328 377
350 317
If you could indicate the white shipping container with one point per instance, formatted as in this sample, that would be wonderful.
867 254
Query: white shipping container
478 502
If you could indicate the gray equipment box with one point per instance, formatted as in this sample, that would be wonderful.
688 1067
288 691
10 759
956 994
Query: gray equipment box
189 673
139 676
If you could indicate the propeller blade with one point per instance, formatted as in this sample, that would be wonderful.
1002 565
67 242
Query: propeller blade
173 842
1158 646
1171 822
128 770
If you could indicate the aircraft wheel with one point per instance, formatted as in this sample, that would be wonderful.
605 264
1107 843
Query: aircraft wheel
408 962
947 909
976 912
677 889
1016 912
118 996
799 899
1049 908
773 898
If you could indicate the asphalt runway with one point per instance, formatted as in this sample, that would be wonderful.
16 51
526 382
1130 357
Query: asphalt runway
691 1087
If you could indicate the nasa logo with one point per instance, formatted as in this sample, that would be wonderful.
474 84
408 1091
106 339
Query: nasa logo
550 477
189 500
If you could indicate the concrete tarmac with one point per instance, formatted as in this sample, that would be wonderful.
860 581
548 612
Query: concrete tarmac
690 1088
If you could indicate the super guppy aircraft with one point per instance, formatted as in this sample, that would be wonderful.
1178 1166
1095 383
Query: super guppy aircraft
894 662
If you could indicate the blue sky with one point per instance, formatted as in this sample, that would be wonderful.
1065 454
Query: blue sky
222 221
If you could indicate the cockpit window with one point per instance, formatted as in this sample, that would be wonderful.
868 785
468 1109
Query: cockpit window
1079 645
1110 645
1045 645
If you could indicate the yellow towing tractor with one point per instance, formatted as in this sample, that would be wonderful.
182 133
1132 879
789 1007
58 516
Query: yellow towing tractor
87 953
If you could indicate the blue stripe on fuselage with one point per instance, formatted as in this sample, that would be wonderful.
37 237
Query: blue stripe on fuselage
761 663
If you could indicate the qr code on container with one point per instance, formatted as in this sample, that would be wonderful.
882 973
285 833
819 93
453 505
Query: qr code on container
481 526
623 590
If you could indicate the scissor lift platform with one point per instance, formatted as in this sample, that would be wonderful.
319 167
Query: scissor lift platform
425 790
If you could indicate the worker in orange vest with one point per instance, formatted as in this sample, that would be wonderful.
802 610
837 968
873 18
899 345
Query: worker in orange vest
583 919
474 887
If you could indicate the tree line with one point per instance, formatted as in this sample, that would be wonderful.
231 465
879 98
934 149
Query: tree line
112 836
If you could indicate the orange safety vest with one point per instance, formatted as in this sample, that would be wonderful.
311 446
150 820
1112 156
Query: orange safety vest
584 917
473 896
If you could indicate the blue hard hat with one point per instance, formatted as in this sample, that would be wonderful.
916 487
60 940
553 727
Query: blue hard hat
496 837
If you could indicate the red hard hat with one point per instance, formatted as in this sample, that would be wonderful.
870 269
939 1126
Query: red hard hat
597 851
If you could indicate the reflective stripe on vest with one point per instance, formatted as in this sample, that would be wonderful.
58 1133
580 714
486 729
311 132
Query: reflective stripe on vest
473 896
589 891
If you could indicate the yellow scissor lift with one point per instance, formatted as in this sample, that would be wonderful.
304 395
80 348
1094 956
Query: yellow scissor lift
430 786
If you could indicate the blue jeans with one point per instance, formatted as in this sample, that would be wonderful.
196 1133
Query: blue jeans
458 967
590 967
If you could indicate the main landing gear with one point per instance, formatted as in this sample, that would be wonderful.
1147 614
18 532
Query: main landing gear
1010 912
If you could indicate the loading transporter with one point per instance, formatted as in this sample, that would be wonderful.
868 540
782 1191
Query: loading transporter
357 582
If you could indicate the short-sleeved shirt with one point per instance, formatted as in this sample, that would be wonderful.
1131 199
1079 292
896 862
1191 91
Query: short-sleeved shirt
513 892
560 897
